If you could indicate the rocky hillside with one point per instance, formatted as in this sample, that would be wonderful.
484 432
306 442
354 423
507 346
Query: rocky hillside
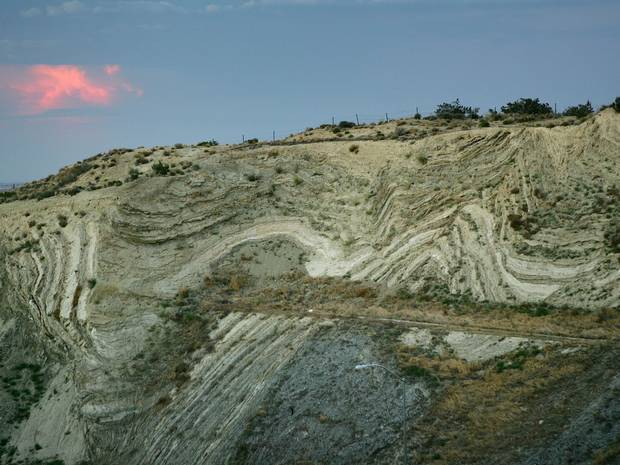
207 304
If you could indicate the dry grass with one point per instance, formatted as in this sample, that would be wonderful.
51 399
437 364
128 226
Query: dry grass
480 414
339 297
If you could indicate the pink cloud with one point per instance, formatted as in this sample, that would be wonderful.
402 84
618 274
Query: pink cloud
42 88
111 70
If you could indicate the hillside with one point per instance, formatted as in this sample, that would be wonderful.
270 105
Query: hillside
207 304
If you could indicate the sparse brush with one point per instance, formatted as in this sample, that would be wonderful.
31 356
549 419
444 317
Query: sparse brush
236 282
161 169
354 148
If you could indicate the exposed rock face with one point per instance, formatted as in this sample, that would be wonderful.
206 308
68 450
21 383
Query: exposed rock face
503 215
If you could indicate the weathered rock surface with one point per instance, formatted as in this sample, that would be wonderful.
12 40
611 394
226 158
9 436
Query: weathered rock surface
93 288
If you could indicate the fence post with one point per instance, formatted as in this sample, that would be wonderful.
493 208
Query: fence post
357 118
333 121
274 136
242 138
387 119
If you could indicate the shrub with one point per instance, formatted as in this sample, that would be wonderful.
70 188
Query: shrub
483 123
616 104
62 221
161 169
423 159
580 111
92 282
208 143
346 124
252 141
134 174
612 236
178 146
68 175
527 106
454 110
398 132
417 116
354 148
253 177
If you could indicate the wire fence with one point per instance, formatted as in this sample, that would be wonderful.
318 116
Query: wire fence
356 118
9 186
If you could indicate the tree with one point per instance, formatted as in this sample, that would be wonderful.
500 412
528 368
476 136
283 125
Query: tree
579 111
454 110
161 169
527 106
616 104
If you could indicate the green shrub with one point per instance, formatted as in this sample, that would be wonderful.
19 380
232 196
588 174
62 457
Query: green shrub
580 111
62 221
346 124
612 236
616 104
161 169
208 143
527 106
354 148
423 159
253 177
454 110
134 174
483 123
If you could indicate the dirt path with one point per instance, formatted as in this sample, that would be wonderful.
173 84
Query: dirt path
476 329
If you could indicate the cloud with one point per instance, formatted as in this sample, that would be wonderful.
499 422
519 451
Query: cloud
70 7
43 88
139 6
31 12
212 8
111 70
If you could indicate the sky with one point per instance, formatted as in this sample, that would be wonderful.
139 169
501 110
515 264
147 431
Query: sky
81 77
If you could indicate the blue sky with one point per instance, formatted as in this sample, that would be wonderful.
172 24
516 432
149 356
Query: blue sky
193 70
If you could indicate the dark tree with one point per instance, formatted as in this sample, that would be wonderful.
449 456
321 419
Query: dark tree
346 124
161 169
454 110
580 111
527 106
616 104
